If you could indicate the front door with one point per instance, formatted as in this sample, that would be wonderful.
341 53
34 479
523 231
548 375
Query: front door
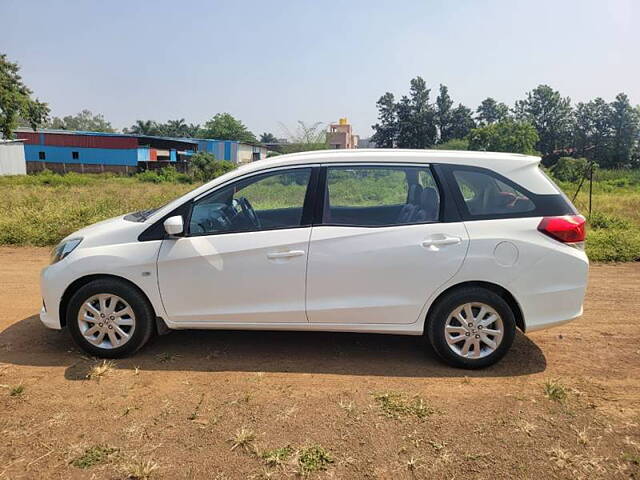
243 259
380 251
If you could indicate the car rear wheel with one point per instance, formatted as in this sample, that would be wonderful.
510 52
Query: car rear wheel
109 318
471 328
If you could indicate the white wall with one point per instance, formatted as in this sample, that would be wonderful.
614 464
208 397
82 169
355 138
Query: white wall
12 158
245 153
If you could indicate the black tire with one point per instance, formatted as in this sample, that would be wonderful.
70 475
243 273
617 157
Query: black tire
144 317
436 321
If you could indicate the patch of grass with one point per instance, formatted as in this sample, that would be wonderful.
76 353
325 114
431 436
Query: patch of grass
277 456
396 405
554 390
633 458
607 220
93 456
101 369
243 439
16 390
139 469
614 244
313 459
166 357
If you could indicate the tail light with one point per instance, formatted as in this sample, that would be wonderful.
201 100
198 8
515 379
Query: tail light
567 229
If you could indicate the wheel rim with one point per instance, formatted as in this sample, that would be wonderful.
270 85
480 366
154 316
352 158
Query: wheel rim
106 321
474 330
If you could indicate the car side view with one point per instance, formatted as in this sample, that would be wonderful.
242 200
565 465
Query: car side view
461 247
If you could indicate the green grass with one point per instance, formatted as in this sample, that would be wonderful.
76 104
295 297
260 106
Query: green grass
93 456
41 209
554 390
277 456
396 405
313 459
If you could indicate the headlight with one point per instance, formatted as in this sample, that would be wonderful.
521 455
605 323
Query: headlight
64 249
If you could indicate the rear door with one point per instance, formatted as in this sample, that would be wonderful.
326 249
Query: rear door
380 249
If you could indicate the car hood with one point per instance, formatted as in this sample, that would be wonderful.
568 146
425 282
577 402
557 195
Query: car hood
110 231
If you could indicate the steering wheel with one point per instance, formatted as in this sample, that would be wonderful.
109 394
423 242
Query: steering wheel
248 210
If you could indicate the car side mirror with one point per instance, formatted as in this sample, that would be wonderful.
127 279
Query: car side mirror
174 225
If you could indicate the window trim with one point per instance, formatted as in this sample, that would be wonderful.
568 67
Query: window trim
306 204
323 190
544 204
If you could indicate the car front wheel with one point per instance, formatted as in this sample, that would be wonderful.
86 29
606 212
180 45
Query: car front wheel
471 328
108 318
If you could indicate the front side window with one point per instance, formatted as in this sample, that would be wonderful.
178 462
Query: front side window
262 202
379 196
484 194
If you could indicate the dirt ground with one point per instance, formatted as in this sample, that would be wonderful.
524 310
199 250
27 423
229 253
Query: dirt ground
213 404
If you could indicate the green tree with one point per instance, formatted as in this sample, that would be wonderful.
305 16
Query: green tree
84 121
205 167
444 114
423 115
224 126
304 138
551 116
461 122
16 102
268 138
625 123
386 130
143 127
592 130
504 136
491 111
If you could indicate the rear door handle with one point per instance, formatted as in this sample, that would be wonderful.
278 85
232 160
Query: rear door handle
289 254
440 242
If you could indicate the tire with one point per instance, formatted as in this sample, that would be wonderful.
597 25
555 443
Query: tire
110 297
448 320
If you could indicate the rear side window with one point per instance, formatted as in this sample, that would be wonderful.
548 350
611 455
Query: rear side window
486 195
370 196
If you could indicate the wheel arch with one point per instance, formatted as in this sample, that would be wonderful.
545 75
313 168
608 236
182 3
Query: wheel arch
82 281
503 292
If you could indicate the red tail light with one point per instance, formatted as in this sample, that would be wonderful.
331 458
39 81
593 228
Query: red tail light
567 229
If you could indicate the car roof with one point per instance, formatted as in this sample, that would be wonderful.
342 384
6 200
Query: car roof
499 161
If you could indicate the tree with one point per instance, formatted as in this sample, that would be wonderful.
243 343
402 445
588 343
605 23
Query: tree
84 121
224 127
461 122
444 114
268 138
385 132
625 124
504 136
143 127
491 111
550 114
592 130
306 137
423 116
16 101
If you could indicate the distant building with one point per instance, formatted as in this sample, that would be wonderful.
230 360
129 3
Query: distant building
12 158
340 135
366 143
92 152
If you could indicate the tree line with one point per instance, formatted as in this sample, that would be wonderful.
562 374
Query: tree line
544 122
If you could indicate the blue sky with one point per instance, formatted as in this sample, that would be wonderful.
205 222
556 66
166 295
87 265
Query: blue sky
272 62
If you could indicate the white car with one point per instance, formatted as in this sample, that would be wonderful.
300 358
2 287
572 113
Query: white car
462 247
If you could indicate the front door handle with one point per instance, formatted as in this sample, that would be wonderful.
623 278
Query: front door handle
289 254
440 242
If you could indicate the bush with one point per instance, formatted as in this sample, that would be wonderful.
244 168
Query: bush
613 245
205 167
604 220
568 169
454 144
167 174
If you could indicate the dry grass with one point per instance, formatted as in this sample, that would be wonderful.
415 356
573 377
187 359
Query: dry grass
101 369
136 469
396 405
243 439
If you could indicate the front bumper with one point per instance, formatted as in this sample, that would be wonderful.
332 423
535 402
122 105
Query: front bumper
49 321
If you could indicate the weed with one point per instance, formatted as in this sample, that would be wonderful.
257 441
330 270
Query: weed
554 390
243 439
633 458
396 405
93 456
99 370
193 415
313 459
16 390
166 357
139 470
277 456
